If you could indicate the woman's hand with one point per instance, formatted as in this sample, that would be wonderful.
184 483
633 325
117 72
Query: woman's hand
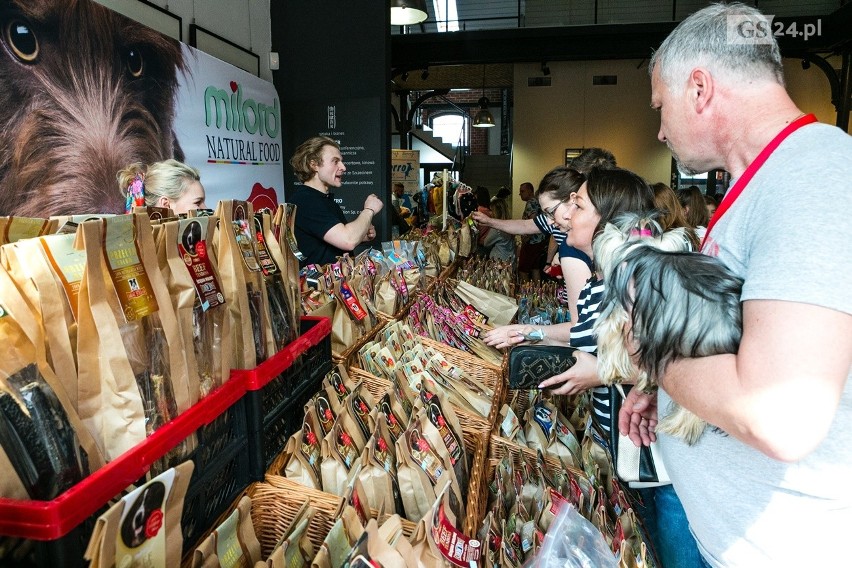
637 418
482 219
507 335
582 376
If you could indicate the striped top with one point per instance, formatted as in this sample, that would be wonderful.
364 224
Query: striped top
582 338
548 229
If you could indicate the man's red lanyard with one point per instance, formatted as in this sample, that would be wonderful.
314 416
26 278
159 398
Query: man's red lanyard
752 169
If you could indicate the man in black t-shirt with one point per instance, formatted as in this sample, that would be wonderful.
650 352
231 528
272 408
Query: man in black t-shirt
322 231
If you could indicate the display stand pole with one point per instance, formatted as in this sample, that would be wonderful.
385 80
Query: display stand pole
444 226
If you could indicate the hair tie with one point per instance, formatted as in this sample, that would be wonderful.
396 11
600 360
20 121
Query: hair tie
135 193
645 232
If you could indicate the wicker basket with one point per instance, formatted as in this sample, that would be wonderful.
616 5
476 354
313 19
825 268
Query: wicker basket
475 433
491 376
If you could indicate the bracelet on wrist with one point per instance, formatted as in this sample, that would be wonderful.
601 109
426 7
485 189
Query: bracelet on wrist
371 210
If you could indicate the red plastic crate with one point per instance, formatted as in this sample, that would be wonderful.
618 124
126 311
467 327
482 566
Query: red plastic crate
263 374
50 520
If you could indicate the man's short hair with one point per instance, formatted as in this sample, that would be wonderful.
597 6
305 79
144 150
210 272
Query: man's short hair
703 40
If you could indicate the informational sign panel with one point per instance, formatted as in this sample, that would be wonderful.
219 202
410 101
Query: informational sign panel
405 169
355 125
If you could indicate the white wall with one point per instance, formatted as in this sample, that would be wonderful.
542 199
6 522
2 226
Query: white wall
243 22
573 113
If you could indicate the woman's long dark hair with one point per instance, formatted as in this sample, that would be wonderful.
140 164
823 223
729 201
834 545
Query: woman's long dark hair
616 190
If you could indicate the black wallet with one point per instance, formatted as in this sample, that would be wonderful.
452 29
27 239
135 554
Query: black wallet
529 365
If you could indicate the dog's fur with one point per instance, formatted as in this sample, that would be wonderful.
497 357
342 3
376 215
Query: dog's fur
77 113
678 304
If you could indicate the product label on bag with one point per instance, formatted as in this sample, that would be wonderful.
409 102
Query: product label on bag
135 294
436 417
352 302
228 547
245 242
67 263
267 264
18 228
424 456
141 538
455 547
192 249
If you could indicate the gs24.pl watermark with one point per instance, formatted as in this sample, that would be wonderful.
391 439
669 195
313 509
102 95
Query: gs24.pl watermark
745 29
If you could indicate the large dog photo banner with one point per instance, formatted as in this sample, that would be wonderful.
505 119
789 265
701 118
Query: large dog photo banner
87 92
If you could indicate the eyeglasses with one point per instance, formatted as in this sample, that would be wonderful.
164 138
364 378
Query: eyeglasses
550 212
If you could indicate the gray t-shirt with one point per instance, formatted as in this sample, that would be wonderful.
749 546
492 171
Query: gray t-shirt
788 236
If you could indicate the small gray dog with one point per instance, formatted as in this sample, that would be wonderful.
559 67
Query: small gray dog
661 305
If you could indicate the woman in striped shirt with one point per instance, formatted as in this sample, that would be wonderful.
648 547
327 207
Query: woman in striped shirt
605 195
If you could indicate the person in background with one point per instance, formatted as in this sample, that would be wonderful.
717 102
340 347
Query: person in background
401 199
500 245
768 482
322 230
711 204
557 186
672 215
588 159
692 201
533 247
169 183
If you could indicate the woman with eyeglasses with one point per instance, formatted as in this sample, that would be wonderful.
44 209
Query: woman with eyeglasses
556 186
605 195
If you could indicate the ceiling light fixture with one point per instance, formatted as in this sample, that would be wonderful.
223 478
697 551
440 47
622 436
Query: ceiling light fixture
483 118
408 12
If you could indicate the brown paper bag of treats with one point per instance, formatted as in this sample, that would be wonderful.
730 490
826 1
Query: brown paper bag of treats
372 550
396 420
236 261
359 406
391 532
465 239
280 318
66 263
437 540
295 550
540 429
126 325
338 543
282 227
41 435
199 299
233 543
303 454
339 454
49 304
355 496
14 229
378 469
338 382
324 408
433 437
289 285
144 526
420 471
386 296
444 420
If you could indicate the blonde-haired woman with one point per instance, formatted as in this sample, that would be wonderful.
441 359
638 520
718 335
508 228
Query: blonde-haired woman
168 183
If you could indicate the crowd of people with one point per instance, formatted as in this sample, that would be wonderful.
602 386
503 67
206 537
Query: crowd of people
768 482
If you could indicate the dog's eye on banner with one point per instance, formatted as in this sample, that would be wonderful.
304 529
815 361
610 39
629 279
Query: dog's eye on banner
21 40
135 61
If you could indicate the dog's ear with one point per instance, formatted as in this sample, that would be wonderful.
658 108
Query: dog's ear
177 151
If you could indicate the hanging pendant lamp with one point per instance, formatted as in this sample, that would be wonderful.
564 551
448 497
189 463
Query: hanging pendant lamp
407 12
483 118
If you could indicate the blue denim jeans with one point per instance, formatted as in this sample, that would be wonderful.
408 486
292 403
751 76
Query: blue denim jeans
664 520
